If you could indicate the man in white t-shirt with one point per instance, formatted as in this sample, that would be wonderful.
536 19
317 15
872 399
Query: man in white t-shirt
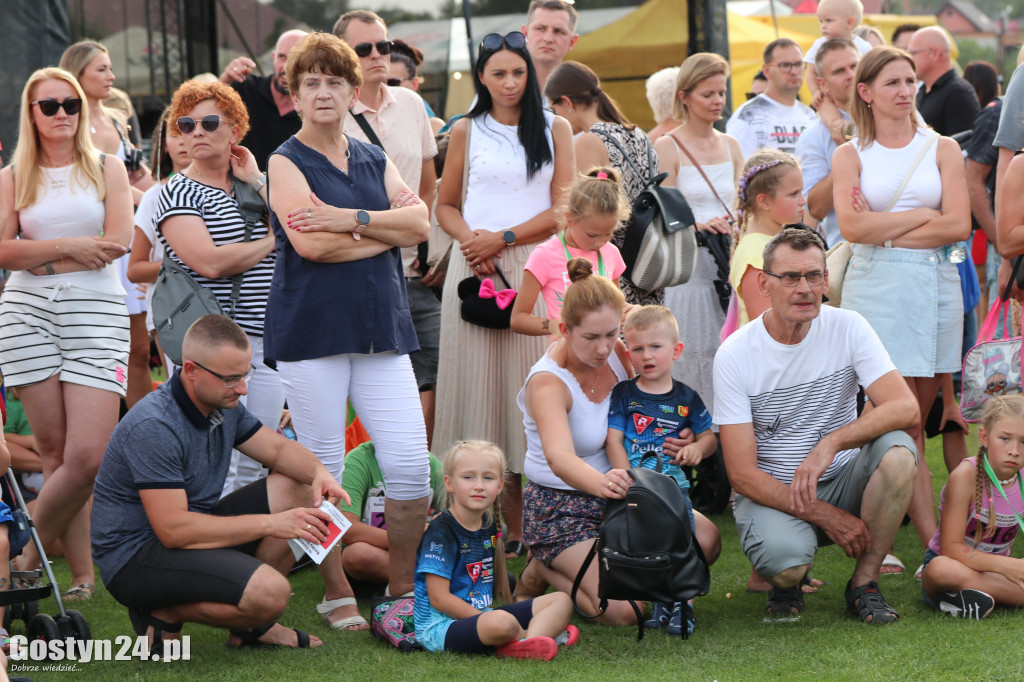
775 118
806 469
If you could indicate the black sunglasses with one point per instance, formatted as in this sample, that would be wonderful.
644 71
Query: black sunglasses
49 107
364 49
187 124
394 82
493 42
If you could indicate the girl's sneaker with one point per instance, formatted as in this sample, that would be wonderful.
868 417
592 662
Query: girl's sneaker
660 615
681 612
569 636
970 604
536 648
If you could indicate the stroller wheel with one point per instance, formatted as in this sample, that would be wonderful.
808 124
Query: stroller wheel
73 624
43 627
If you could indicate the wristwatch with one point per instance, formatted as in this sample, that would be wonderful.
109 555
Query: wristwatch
363 218
260 183
510 238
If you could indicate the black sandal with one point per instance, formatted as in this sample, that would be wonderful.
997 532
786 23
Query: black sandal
143 620
251 638
785 601
514 547
868 602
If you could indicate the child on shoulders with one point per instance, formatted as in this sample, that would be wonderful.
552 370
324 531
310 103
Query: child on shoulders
646 410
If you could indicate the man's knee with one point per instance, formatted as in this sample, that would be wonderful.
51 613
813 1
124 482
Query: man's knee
266 595
898 465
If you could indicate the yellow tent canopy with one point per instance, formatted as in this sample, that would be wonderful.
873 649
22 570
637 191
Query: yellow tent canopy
654 36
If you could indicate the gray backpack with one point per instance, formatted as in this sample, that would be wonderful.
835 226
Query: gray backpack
179 300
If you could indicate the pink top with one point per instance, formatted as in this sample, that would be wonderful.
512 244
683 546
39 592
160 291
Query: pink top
1006 522
548 264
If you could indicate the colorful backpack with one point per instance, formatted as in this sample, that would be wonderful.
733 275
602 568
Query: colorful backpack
391 620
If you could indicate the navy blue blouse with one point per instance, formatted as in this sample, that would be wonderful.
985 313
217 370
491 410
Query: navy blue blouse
317 310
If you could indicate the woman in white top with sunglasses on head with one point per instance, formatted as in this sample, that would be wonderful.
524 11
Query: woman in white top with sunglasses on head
66 216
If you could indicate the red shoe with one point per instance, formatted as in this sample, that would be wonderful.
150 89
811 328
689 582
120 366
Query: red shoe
569 637
535 648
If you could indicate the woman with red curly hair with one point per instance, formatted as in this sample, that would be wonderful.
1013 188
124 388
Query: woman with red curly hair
199 222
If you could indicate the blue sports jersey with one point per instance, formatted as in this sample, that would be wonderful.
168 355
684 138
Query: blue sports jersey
646 420
466 558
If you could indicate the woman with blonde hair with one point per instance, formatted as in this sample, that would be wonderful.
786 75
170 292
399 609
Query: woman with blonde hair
703 164
901 199
63 321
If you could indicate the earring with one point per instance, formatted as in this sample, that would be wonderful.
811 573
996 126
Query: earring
572 110
869 105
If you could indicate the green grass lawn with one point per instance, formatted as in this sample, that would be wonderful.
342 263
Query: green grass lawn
730 643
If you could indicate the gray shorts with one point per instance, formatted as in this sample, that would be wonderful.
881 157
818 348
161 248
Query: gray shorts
774 540
426 318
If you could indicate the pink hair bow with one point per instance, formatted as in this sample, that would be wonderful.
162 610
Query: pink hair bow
503 298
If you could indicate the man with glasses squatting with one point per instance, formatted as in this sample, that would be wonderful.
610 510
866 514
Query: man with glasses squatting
806 469
775 118
395 119
272 116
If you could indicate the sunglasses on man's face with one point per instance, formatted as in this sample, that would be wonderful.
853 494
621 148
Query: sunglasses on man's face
394 82
493 42
187 124
50 107
364 49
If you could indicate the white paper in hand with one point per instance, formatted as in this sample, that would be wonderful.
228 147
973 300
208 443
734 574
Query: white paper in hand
335 529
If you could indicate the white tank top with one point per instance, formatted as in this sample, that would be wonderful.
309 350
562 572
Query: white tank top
588 422
66 208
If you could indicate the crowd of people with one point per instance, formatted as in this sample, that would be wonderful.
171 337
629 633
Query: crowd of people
820 411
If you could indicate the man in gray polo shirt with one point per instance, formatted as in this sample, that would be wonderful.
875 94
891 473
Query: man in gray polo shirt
168 548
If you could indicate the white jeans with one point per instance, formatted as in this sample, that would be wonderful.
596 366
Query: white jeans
383 392
265 400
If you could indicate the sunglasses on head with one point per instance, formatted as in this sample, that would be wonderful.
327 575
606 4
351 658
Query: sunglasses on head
187 124
493 42
364 49
49 107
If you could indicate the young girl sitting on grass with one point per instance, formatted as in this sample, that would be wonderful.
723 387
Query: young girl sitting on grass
769 196
595 209
458 572
968 567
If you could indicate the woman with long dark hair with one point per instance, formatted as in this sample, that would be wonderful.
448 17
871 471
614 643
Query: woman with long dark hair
520 162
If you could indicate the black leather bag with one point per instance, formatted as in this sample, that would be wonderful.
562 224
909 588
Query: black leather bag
646 550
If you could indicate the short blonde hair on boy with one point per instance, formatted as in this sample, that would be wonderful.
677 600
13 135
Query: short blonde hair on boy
851 8
647 316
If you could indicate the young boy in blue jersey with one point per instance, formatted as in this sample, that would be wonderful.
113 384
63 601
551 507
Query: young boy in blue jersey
651 407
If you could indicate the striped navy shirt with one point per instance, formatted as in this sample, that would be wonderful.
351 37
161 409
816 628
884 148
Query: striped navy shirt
219 210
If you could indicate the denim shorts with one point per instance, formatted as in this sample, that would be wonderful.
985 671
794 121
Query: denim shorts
912 300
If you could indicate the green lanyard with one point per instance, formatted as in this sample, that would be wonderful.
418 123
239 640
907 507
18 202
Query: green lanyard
999 486
568 256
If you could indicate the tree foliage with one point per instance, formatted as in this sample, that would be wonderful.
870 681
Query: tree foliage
317 14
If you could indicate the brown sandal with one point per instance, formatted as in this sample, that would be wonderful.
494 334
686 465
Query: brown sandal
83 592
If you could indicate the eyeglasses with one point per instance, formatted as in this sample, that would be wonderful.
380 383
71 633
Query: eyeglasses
493 42
232 380
791 279
789 66
923 49
751 95
396 82
364 49
49 107
187 124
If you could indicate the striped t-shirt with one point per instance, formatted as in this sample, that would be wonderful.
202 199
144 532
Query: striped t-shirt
219 210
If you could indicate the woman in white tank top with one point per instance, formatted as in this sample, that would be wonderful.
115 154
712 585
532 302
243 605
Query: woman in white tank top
900 260
67 216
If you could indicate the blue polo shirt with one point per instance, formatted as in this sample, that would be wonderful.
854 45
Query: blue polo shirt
164 442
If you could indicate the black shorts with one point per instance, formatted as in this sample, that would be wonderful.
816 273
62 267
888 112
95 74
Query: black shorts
157 577
462 637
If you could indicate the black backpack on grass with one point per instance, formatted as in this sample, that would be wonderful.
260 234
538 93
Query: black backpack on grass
646 550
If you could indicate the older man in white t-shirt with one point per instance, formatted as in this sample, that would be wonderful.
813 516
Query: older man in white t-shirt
806 469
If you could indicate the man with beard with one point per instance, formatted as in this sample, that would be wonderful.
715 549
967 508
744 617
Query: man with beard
272 116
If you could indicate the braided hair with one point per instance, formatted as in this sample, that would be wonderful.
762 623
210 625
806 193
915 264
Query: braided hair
762 174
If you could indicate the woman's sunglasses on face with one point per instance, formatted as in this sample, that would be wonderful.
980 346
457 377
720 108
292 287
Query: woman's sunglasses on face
187 124
364 49
49 107
493 42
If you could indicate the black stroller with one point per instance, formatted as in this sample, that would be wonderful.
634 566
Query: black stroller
23 604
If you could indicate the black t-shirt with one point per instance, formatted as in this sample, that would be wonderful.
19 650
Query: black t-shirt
950 106
267 127
979 148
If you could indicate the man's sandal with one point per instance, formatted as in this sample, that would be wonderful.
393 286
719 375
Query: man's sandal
143 620
251 638
785 601
867 601
326 607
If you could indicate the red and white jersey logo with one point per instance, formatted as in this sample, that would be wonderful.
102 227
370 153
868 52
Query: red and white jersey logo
474 570
641 422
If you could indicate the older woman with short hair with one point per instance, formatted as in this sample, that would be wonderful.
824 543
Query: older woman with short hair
338 322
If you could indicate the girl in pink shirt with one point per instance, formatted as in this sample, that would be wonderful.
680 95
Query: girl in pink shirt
968 567
596 207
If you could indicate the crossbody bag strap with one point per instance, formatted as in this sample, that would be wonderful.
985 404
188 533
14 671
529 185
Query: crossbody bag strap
702 173
608 138
252 211
371 135
913 167
591 553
